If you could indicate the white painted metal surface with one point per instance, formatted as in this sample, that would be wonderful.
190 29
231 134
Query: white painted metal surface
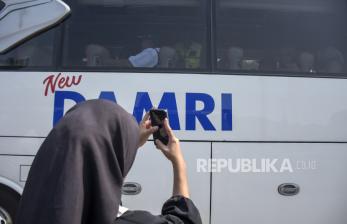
252 197
11 168
263 108
20 19
154 172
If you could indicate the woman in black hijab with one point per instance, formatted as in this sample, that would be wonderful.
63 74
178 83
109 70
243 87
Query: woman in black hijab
78 172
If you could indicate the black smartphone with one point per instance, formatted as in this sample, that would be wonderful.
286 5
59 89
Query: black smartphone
157 118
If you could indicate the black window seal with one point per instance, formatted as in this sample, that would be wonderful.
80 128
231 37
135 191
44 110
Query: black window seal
184 72
211 68
211 14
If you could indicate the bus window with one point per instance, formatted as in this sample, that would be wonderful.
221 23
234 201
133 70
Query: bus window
35 53
282 36
136 35
2 4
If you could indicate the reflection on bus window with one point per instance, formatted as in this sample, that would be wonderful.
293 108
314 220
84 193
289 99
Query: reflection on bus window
37 52
282 36
136 34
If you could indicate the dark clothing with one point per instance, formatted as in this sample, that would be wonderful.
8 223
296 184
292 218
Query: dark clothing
78 172
176 210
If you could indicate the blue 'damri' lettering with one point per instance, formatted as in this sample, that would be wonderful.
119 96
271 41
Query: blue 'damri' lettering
59 101
143 104
168 101
227 115
61 96
201 115
108 95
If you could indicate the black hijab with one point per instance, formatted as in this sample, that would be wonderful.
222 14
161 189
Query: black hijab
78 172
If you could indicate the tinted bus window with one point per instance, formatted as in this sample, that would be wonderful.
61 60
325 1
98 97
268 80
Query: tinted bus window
35 53
136 34
295 36
2 5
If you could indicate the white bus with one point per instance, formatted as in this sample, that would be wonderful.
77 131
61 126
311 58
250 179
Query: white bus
255 89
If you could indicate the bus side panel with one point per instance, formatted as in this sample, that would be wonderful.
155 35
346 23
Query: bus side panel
19 146
252 196
154 173
16 156
15 168
213 108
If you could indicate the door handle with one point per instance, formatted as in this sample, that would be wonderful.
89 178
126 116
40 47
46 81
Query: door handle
288 189
131 188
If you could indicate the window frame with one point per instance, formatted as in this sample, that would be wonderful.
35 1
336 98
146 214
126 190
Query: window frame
210 57
279 73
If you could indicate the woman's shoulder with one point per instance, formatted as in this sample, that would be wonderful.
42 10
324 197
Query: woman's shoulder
139 216
177 209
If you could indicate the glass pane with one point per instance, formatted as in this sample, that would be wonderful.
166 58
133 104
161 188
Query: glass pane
136 34
2 5
295 36
37 52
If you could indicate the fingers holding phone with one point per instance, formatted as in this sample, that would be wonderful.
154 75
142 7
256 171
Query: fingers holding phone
146 129
172 150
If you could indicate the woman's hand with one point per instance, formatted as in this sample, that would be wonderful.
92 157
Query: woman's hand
146 130
172 150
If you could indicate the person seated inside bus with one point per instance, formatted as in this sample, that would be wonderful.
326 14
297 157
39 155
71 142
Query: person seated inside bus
189 54
148 57
330 60
287 60
7 59
167 57
79 170
306 62
230 58
33 53
234 58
